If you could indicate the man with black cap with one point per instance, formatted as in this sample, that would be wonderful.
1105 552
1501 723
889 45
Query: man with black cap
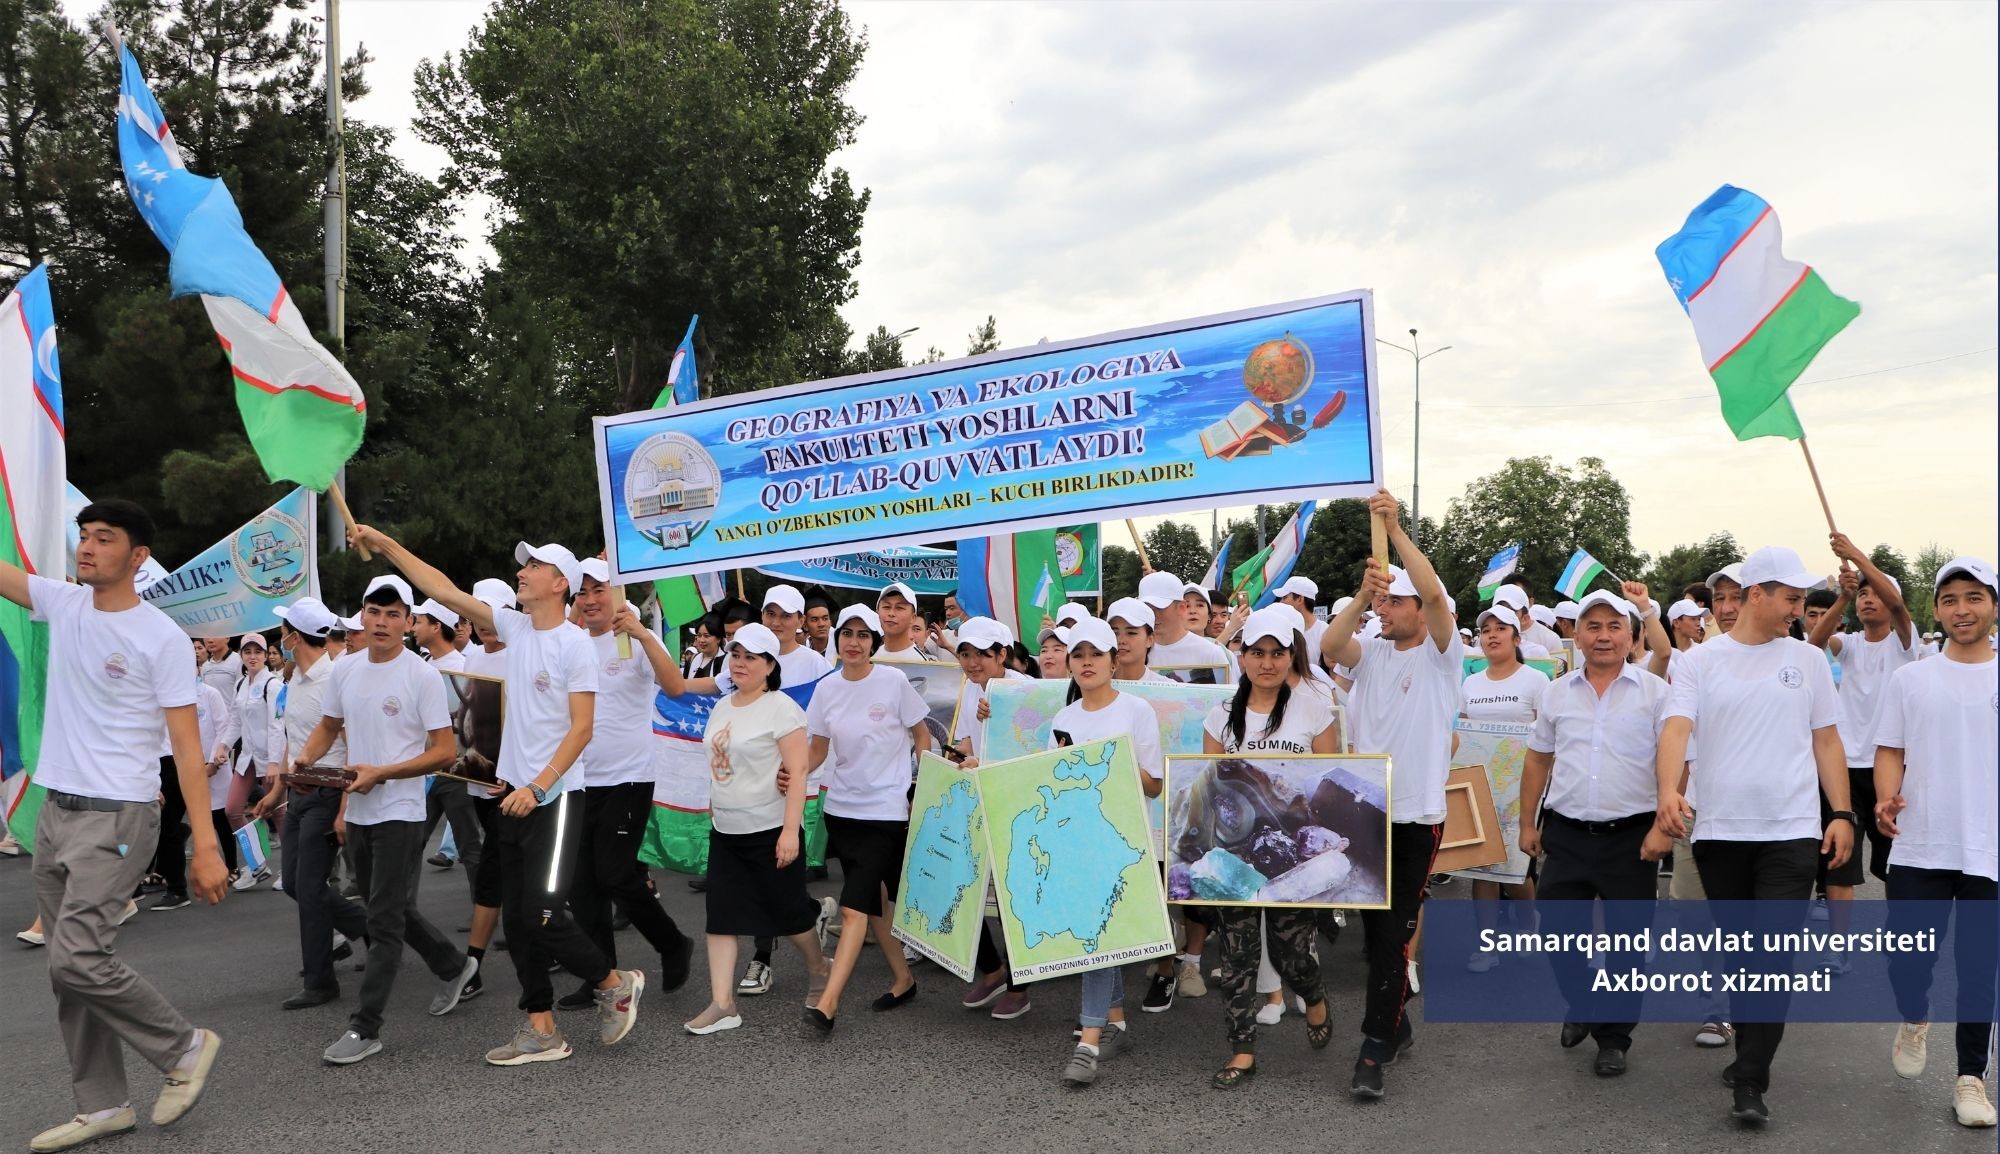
1764 708
552 683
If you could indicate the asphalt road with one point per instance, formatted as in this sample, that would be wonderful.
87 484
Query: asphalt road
928 1077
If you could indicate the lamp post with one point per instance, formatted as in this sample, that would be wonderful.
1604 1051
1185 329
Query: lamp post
1417 409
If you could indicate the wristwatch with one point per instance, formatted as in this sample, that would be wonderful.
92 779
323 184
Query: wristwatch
1847 815
542 796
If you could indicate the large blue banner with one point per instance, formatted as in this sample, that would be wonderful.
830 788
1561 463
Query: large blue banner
924 570
236 585
1257 406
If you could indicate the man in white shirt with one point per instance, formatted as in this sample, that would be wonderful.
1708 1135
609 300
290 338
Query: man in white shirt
1764 709
1404 700
1537 639
819 627
896 605
310 810
552 683
1188 658
618 771
118 669
215 726
1938 740
389 705
1566 614
1725 591
1300 592
437 632
1867 660
1593 752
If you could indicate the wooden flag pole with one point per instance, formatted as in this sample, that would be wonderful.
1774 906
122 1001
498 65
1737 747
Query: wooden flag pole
1817 487
624 640
1378 541
740 594
1137 544
347 515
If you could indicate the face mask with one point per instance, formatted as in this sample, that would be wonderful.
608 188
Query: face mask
952 623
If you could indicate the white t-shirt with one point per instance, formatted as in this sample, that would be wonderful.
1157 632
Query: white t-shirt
257 721
111 677
1514 697
1307 714
300 706
544 666
869 748
742 748
223 674
1191 649
1945 717
1125 716
215 717
388 710
913 653
1755 707
799 667
1539 634
1865 668
622 746
452 662
478 660
1403 703
967 726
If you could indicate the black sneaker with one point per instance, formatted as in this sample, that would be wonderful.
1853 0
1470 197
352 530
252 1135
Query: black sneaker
1749 1107
1367 1081
476 986
699 885
1159 995
170 901
582 999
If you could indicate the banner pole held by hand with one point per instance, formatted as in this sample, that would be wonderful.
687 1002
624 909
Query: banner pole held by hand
1817 487
1137 543
1378 540
624 639
339 500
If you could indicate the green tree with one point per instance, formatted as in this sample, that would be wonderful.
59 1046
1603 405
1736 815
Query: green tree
1920 591
1551 510
1121 572
44 71
1175 548
655 160
1685 565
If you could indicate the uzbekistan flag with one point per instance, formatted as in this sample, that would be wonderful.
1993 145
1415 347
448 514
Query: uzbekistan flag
1016 580
1760 318
33 532
302 412
684 599
1498 570
1218 567
1268 569
1578 574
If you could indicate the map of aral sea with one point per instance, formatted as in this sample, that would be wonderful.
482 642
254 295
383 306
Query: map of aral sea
943 886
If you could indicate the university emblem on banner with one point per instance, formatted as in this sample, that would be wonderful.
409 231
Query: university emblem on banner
1069 553
269 553
671 489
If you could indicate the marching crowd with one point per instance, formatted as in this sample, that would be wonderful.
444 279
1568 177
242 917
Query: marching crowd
1704 740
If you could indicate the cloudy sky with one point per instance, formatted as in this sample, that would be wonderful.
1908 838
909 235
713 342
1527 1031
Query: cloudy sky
1498 175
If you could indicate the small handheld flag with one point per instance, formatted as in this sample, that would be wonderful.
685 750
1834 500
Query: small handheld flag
1498 570
1578 574
253 846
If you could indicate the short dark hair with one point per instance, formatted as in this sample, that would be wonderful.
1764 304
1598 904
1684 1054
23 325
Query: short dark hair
316 642
121 514
739 613
775 679
1821 599
711 622
818 601
450 631
1700 594
384 595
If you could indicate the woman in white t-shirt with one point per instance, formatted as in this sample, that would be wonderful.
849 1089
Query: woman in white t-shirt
1054 652
1097 710
983 648
1506 690
756 864
866 725
1131 622
260 733
1274 714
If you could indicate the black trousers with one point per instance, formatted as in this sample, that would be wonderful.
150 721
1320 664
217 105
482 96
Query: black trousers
537 855
1766 871
486 878
170 859
389 856
1580 866
1910 973
449 799
308 856
224 834
1387 933
608 870
990 958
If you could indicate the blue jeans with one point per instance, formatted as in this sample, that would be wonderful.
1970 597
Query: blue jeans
1102 989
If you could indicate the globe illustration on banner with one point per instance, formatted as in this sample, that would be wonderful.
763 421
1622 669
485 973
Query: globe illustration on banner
1278 372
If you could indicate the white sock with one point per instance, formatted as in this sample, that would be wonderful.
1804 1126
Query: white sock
1191 959
102 1115
1086 1046
190 1054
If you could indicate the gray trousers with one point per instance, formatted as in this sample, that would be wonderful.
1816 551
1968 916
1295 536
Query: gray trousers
87 865
389 858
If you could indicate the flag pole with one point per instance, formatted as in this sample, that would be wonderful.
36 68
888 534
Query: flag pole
339 500
1137 544
1817 487
740 594
624 642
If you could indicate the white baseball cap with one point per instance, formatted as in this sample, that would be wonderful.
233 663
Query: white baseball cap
1502 613
754 638
1304 587
1342 604
1130 610
309 616
1971 567
495 592
859 613
351 624
391 581
786 598
1070 613
1543 615
1090 631
899 589
1777 563
1511 595
1276 622
1684 608
430 608
1296 615
1160 590
1606 597
1050 629
552 554
1399 582
256 639
595 567
982 633
1730 572
1564 611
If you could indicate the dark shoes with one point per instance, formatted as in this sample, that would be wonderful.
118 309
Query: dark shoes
307 998
1573 1034
891 1000
674 966
1610 1062
1749 1107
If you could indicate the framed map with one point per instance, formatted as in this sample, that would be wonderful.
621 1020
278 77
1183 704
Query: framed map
940 899
1067 836
1299 830
1500 746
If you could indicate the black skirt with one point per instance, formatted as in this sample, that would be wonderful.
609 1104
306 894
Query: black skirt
749 894
871 857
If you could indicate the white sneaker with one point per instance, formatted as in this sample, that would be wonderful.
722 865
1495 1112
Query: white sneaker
244 880
32 937
1970 1103
1297 1003
1480 962
1188 980
1911 1049
1410 971
277 885
1270 1013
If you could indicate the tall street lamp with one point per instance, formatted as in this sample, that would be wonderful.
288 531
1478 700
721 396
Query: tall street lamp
1417 408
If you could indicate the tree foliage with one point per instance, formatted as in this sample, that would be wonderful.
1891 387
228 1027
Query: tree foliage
1173 547
1685 565
1551 510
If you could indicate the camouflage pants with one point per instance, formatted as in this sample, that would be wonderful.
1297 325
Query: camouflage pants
1289 937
